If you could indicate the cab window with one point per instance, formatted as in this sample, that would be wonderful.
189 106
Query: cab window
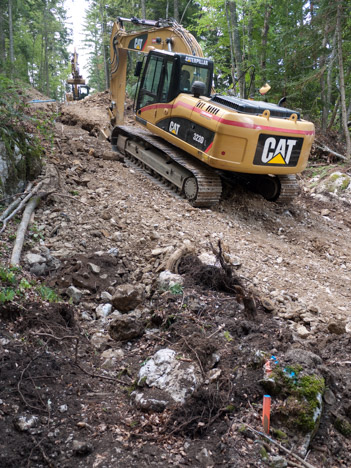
167 81
191 73
151 82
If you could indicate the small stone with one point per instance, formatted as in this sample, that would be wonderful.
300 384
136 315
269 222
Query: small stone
302 331
94 268
127 297
81 447
337 327
126 328
25 422
348 327
103 310
32 258
75 294
113 251
329 397
204 458
106 215
167 279
325 212
111 358
99 340
106 296
63 408
267 304
214 374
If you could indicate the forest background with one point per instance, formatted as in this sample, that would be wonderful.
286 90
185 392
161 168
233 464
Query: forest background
301 48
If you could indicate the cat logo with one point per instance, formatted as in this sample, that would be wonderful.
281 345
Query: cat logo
174 128
278 151
138 43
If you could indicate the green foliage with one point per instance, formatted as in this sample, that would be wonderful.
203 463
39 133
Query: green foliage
40 40
227 336
176 289
14 285
47 294
6 295
7 276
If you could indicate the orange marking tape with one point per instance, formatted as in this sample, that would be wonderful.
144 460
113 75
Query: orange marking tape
266 416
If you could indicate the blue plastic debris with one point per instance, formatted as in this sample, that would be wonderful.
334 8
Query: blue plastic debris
34 101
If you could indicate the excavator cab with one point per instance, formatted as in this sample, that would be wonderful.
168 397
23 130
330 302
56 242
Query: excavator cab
168 74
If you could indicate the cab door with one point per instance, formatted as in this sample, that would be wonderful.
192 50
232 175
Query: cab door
152 103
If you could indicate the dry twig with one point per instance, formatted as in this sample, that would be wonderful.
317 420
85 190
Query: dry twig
289 452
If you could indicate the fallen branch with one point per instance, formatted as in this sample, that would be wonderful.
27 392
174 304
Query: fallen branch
57 338
46 458
21 206
99 376
16 202
21 231
323 147
289 452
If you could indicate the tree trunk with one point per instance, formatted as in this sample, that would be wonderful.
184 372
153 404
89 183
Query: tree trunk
250 49
232 59
329 74
2 39
237 46
342 79
264 37
143 9
104 51
176 9
324 97
12 59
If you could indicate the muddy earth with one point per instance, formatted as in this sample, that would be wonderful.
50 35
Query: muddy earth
277 295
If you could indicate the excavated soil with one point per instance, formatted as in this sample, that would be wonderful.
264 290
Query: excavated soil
108 224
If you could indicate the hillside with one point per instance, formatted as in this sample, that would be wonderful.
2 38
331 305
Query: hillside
69 369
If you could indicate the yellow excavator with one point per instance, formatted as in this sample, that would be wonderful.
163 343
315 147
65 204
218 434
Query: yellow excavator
191 137
79 89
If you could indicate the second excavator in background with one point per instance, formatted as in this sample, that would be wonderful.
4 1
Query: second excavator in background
191 137
79 89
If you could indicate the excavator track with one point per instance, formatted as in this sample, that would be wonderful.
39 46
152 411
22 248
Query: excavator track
280 188
289 188
199 184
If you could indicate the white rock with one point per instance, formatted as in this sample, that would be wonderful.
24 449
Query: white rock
207 258
168 279
106 296
99 340
302 331
178 378
94 268
32 258
103 310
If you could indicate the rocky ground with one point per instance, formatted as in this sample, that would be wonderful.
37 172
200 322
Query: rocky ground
76 376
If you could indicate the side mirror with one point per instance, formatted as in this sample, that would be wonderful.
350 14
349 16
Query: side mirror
264 89
138 67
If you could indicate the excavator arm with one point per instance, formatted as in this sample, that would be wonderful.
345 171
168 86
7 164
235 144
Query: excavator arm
161 35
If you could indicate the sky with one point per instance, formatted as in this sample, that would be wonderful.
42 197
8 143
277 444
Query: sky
75 18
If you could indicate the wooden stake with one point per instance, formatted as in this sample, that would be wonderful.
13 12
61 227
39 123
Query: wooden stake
266 416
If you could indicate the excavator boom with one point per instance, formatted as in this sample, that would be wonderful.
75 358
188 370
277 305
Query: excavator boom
160 35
